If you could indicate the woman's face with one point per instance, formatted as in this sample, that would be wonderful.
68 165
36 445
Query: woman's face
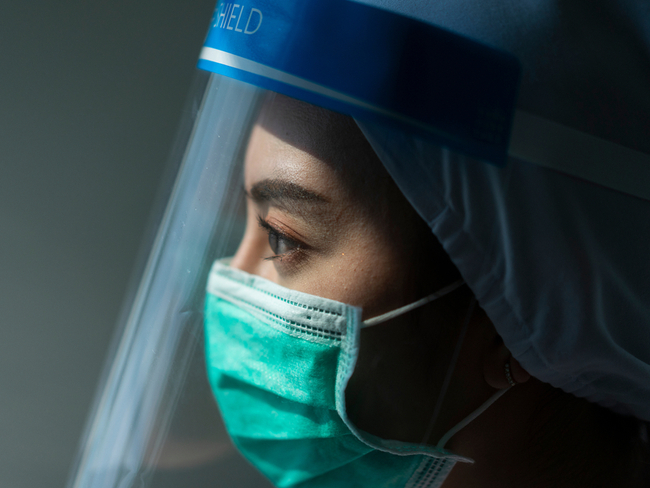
324 218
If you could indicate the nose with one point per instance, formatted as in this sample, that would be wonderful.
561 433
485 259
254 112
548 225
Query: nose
252 249
250 256
244 259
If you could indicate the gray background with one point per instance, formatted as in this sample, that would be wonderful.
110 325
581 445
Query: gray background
91 94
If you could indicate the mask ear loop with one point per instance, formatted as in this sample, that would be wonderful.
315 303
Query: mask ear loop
445 438
445 385
450 370
452 364
379 319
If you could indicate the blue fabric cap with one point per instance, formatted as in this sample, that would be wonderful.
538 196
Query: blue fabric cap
559 264
373 65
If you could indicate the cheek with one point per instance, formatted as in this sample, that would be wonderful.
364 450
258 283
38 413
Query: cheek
366 270
360 272
364 265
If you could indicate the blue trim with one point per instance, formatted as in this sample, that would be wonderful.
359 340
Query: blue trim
447 88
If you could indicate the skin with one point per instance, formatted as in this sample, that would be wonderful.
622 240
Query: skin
347 234
324 218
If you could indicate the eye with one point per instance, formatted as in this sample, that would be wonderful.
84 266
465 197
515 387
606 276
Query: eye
281 244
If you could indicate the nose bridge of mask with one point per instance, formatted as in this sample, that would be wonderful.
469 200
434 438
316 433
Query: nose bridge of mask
258 296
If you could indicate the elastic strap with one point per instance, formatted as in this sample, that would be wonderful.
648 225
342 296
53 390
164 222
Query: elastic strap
450 370
412 306
463 423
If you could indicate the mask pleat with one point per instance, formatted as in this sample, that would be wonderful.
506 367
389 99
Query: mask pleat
270 416
257 353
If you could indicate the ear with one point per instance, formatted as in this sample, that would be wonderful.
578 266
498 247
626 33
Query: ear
496 357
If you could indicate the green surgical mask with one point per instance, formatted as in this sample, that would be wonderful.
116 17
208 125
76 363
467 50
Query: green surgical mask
278 362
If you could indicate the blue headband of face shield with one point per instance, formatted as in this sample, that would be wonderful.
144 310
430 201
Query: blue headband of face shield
373 65
384 68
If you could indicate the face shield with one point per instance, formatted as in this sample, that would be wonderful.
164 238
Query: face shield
274 306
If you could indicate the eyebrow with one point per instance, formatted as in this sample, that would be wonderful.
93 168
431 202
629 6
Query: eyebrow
283 191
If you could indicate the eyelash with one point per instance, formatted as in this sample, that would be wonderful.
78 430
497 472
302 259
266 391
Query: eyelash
280 236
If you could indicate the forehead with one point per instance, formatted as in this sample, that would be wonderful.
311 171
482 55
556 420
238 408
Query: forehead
270 158
310 146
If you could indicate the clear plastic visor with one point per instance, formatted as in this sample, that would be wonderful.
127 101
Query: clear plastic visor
156 422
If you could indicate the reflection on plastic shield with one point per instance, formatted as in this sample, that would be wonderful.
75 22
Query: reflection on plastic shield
155 423
371 64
